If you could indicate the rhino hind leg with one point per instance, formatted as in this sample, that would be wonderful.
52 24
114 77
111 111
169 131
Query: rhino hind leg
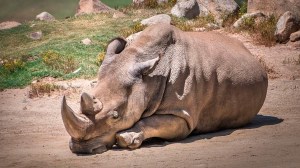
167 127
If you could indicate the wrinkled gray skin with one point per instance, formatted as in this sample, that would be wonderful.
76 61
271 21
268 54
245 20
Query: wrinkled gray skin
167 84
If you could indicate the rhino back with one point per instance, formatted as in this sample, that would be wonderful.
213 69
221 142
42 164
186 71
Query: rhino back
214 82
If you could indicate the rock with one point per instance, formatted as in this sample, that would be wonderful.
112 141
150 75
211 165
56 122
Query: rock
277 7
36 35
137 2
9 25
186 8
161 18
118 14
86 41
203 10
286 25
254 15
220 9
199 29
132 37
295 36
91 6
45 16
212 26
162 1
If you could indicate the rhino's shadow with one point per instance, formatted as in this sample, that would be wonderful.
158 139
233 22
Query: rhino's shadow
258 121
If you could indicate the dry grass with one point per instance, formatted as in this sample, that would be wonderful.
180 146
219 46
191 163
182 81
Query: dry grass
40 89
292 60
262 31
190 25
137 27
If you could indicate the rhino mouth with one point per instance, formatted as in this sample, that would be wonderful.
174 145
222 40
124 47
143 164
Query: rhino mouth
87 147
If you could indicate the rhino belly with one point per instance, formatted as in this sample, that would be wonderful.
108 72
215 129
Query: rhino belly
231 106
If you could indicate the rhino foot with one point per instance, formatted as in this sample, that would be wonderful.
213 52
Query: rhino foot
130 140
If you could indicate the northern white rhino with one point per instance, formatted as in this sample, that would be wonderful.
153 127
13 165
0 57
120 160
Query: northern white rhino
167 84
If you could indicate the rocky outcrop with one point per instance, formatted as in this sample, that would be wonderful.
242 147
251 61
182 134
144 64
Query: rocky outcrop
277 7
220 9
45 16
186 8
91 6
161 18
286 25
295 36
9 25
255 15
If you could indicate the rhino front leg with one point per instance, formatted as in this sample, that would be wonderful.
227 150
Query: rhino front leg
168 127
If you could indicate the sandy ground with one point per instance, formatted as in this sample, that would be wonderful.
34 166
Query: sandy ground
32 133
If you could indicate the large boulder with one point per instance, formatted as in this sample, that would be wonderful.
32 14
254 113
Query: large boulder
219 8
161 18
277 7
186 8
286 25
45 16
91 6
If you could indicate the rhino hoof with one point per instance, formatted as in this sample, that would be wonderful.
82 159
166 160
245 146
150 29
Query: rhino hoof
130 140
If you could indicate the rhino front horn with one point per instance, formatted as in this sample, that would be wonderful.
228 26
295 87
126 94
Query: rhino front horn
75 124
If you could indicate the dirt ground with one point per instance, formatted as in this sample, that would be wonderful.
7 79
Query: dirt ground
32 132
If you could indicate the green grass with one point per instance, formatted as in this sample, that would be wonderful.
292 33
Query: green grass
63 37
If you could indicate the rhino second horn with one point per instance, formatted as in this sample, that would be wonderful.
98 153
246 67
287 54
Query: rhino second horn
75 124
86 104
89 105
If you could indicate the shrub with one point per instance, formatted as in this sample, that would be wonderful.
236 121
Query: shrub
40 89
262 31
11 65
100 58
59 62
243 9
189 25
265 31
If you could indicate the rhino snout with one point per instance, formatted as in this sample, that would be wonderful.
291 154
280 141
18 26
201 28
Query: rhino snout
87 147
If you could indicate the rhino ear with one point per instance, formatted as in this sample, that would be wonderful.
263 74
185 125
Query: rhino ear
144 68
115 46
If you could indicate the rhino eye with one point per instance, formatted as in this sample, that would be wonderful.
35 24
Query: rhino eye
115 114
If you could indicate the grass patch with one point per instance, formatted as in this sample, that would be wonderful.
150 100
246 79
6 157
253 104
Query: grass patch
262 31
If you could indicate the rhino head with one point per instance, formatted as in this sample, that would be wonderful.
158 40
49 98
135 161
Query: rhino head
116 102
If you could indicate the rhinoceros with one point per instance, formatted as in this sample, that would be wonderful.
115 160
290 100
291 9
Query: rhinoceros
166 84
